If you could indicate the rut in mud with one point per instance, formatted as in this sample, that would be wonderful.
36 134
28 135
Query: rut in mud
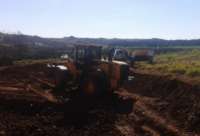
157 99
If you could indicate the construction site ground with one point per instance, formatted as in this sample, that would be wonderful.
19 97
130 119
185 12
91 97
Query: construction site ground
163 106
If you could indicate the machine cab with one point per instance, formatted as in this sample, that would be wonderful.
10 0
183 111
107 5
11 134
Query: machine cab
87 54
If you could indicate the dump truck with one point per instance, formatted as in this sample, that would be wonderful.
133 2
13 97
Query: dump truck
137 55
144 55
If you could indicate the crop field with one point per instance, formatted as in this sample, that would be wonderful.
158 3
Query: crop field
183 63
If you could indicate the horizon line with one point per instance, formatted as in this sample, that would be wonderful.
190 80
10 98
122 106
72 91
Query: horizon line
100 37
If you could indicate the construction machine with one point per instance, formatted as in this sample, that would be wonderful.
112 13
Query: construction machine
120 54
85 81
136 56
94 75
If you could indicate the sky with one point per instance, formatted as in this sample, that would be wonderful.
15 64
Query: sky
167 19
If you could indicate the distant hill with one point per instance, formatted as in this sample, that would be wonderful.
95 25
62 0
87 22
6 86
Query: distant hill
18 46
14 39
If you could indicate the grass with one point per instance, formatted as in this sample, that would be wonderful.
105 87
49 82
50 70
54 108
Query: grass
181 63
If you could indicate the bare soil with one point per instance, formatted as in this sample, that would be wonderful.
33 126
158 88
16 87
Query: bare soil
162 107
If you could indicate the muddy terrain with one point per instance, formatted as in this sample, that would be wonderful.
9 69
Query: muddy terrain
162 106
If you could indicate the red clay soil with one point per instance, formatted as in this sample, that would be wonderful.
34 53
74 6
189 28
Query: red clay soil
157 100
25 112
173 99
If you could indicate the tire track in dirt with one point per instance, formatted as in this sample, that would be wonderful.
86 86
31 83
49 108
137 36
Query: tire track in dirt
148 120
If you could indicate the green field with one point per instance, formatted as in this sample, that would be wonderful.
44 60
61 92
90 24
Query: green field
185 62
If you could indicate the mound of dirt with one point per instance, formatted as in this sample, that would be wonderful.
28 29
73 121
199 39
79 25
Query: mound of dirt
173 98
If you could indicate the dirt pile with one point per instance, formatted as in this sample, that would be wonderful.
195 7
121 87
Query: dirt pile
173 98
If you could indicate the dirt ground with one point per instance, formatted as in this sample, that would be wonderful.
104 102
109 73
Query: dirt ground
162 107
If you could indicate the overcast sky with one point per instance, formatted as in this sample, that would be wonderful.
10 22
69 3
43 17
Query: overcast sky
169 19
